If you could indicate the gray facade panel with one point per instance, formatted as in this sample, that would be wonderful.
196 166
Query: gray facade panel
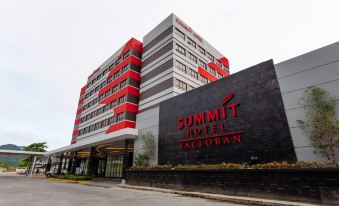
163 67
157 88
319 67
158 39
157 54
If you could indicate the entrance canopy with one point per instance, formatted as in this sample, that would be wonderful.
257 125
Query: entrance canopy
87 142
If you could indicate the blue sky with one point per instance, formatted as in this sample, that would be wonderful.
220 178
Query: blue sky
48 48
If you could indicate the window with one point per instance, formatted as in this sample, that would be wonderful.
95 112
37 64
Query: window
218 63
107 93
180 34
124 69
180 66
210 56
181 85
123 83
101 97
104 72
97 126
116 75
120 117
219 75
191 42
193 73
93 114
99 111
91 128
202 64
114 103
180 49
118 61
86 130
211 71
126 55
201 49
115 89
103 84
111 67
97 88
81 132
189 87
192 57
87 95
91 92
122 99
203 79
111 120
109 80
104 123
105 108
99 76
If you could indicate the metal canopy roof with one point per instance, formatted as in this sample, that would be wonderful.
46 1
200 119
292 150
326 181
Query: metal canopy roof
21 153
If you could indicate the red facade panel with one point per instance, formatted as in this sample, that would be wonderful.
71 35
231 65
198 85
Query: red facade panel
126 90
120 125
131 59
206 74
218 69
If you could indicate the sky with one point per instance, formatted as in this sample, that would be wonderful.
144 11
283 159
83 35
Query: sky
48 48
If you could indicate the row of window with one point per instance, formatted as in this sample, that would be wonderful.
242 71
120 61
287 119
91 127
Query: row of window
193 58
115 89
201 50
191 72
118 61
103 123
182 85
103 109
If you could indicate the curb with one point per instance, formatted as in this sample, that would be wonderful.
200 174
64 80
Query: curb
68 181
226 198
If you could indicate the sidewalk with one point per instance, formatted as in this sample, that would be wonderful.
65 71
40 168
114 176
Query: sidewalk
226 198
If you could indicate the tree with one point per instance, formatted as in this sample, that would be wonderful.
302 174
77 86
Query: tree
148 146
320 123
34 147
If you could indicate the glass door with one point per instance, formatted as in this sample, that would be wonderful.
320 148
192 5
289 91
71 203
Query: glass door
114 166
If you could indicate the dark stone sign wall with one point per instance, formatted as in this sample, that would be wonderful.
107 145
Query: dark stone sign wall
240 118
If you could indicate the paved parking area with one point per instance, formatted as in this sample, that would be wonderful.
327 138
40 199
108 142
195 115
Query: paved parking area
27 191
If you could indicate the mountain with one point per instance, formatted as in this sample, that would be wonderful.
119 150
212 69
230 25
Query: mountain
12 161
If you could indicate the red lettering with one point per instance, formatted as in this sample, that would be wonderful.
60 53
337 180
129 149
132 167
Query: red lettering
224 113
214 128
199 118
222 128
205 129
189 132
180 145
200 143
217 141
193 144
187 145
197 130
213 116
236 138
188 124
208 142
233 108
226 140
180 124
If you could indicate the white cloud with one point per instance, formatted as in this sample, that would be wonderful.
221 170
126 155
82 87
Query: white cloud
48 48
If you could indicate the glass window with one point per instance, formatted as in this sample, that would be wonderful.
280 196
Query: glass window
115 89
104 123
104 72
191 42
218 63
109 80
219 75
124 69
180 34
122 99
211 71
180 66
180 49
126 55
192 57
120 117
111 120
203 79
123 83
118 61
201 49
202 64
181 85
210 56
193 73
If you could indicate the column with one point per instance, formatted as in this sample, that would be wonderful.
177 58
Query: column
90 166
60 164
126 158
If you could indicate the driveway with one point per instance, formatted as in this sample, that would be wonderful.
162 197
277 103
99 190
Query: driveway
27 191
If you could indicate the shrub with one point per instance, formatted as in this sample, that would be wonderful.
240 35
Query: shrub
72 177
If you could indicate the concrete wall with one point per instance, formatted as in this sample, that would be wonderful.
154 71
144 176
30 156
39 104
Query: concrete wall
319 67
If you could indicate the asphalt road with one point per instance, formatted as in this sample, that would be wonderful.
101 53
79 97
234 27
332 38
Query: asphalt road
26 191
